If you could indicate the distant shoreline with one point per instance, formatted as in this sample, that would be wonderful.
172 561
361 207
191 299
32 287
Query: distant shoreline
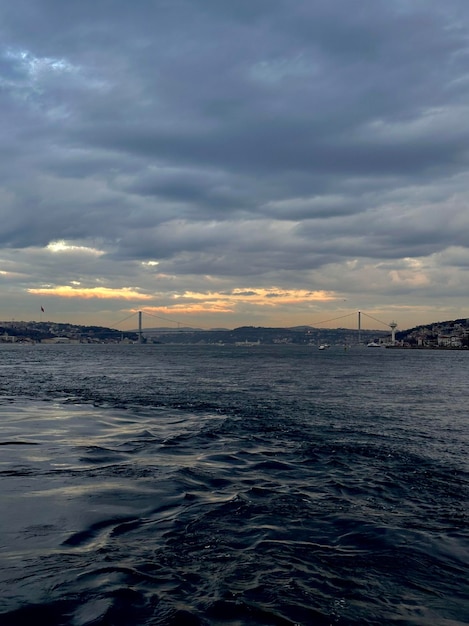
452 348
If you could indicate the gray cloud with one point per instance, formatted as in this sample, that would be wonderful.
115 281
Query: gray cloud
244 145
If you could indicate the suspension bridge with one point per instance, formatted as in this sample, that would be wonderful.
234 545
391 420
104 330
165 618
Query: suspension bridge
355 319
358 315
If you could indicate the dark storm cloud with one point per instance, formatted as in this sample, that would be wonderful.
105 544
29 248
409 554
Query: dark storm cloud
251 138
207 192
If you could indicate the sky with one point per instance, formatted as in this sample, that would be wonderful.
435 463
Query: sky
218 163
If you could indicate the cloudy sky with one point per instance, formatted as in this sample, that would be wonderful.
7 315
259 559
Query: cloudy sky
221 163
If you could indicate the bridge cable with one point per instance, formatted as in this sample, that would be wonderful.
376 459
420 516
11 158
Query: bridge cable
335 318
376 320
125 319
167 319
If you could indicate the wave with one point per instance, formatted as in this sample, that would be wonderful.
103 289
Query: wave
259 510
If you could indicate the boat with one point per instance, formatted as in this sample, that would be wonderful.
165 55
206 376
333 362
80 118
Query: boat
374 344
324 346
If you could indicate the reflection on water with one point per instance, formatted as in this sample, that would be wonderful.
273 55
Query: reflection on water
197 485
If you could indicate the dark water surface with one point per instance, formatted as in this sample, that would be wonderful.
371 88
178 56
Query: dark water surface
161 485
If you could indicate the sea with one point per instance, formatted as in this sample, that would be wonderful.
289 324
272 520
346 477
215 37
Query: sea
233 485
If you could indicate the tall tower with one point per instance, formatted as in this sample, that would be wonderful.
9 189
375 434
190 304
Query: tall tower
139 327
393 326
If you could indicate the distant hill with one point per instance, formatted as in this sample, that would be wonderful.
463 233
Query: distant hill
264 335
448 324
12 332
169 329
437 333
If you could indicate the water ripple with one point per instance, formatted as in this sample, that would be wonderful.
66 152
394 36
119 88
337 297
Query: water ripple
162 486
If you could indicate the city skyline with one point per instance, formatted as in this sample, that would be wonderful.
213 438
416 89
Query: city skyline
227 164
